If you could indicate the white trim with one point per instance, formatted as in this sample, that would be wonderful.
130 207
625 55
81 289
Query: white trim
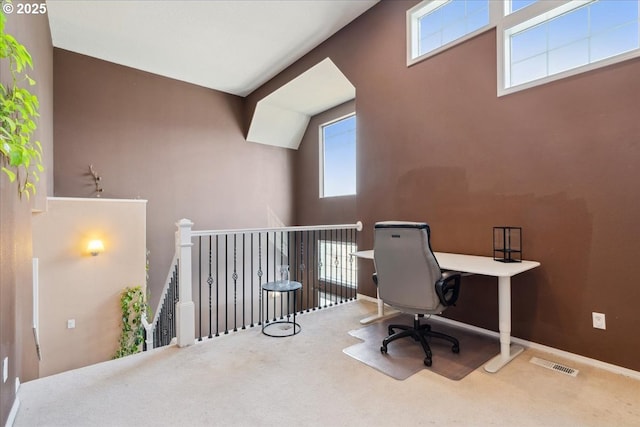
321 161
413 16
506 25
321 154
94 199
529 17
281 118
13 413
426 6
540 347
357 226
165 289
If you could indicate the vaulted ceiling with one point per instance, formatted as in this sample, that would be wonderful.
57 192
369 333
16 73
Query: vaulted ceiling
231 46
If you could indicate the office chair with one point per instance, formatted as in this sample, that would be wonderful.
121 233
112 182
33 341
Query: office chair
409 279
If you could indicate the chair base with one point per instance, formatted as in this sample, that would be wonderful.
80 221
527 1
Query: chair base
419 333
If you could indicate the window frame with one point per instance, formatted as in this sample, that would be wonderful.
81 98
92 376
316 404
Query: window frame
508 7
321 174
507 23
426 6
528 17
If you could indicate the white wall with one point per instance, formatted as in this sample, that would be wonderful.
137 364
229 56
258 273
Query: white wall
75 285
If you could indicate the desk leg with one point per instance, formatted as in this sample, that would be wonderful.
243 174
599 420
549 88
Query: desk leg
507 351
380 314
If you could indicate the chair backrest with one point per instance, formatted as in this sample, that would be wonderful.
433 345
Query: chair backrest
406 268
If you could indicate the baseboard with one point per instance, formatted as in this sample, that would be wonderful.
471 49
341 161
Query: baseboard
364 297
535 346
13 413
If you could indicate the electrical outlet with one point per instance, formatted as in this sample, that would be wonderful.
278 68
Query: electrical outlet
71 323
599 320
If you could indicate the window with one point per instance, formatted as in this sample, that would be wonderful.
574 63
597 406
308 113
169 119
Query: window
338 157
438 24
568 39
515 5
336 264
538 41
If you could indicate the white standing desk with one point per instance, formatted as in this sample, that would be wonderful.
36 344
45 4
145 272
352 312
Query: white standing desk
485 266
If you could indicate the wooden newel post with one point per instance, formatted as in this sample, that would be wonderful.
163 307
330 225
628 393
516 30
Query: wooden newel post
185 310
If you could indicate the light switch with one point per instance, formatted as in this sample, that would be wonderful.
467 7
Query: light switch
71 323
5 369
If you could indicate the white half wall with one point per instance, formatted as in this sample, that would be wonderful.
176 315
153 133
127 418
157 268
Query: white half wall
76 286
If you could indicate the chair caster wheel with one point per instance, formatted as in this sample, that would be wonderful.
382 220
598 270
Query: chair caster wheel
455 349
383 349
427 361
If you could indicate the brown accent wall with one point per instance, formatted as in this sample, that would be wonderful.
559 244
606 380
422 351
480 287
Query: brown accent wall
561 160
16 339
179 146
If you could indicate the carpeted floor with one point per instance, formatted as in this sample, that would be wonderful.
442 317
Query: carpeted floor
248 379
405 356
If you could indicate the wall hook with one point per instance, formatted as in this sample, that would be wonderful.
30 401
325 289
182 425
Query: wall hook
96 178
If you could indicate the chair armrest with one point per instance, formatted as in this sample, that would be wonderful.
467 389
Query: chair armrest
448 287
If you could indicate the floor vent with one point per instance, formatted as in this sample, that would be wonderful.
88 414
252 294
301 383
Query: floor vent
554 366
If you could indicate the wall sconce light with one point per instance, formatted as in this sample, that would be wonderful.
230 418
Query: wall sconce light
95 247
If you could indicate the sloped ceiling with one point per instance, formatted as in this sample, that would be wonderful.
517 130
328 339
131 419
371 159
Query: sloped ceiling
281 118
233 46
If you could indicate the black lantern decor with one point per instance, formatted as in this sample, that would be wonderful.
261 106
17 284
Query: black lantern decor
507 244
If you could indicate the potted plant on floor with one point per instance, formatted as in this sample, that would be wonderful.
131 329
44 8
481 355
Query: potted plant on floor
133 306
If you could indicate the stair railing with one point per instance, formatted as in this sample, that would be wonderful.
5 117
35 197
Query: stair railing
225 270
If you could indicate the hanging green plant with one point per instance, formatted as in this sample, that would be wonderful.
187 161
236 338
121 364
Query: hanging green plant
133 307
21 154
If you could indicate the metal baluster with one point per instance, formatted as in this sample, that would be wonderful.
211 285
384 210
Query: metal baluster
235 284
260 278
314 269
210 283
295 267
351 281
167 315
226 284
327 277
267 279
332 284
339 267
251 280
342 282
291 249
176 296
275 315
300 260
354 264
337 263
199 288
217 281
281 271
306 258
322 254
244 270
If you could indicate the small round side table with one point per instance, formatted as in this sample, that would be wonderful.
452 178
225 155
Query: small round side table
280 328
